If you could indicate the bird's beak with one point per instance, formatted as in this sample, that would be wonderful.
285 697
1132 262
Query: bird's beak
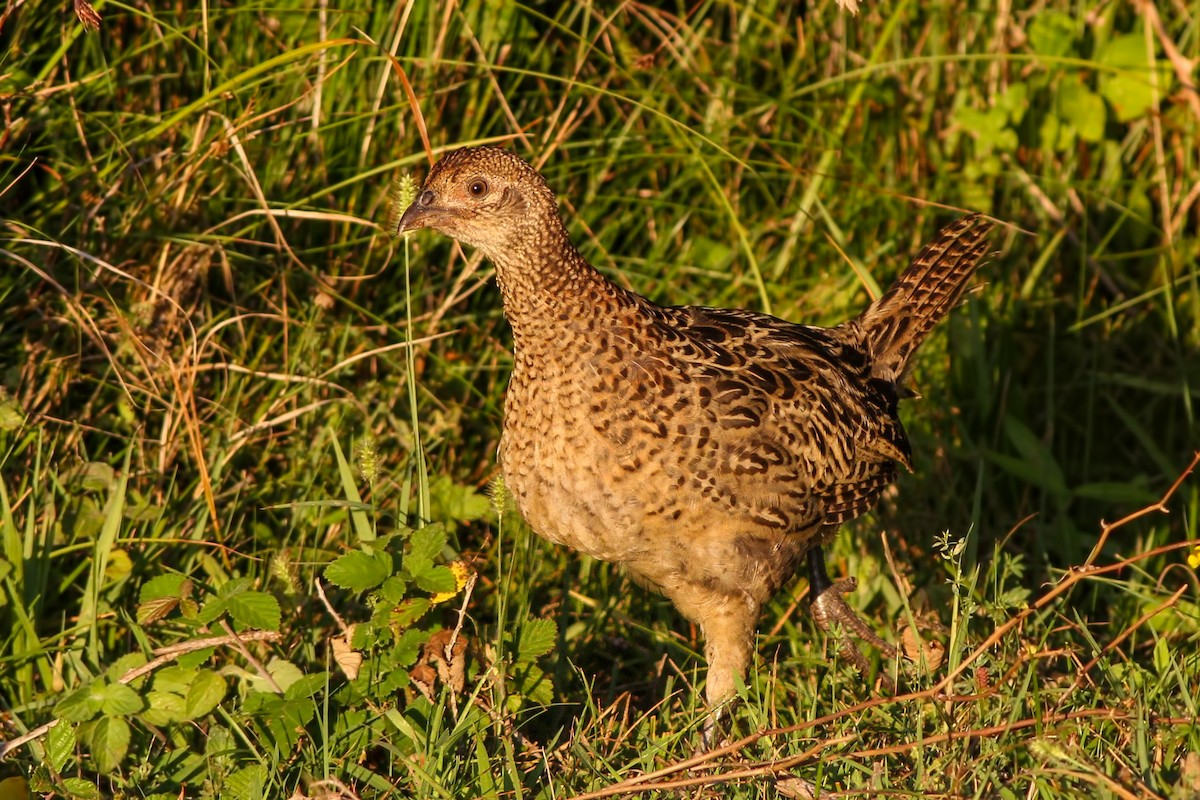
414 217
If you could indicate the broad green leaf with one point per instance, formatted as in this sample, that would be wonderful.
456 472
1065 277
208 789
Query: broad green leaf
307 686
285 673
254 609
163 708
248 783
537 637
78 706
117 669
80 788
117 700
450 501
409 612
1083 109
235 587
160 586
426 544
359 571
175 679
1131 90
60 745
437 580
204 695
110 742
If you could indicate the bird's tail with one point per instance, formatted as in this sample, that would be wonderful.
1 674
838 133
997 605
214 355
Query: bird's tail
896 324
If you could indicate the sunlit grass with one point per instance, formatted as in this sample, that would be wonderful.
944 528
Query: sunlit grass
203 304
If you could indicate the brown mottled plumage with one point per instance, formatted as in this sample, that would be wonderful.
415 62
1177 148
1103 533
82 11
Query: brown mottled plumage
706 450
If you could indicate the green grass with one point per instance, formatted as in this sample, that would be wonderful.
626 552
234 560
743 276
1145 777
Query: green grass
219 376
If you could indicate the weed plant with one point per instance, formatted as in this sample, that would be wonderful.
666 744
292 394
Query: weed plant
252 541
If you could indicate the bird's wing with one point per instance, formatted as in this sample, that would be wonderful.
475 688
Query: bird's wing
783 419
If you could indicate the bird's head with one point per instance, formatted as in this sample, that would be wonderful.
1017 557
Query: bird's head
485 197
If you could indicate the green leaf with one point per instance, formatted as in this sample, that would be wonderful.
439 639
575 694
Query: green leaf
436 579
118 700
1083 109
1052 33
80 788
255 609
307 686
163 708
425 545
124 664
1130 90
359 571
174 679
234 587
78 706
60 745
537 637
160 586
248 783
393 589
204 695
450 501
110 742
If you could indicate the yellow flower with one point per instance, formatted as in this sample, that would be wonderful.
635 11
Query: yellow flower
1194 557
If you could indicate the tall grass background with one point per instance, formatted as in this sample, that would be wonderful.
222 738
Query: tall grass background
237 418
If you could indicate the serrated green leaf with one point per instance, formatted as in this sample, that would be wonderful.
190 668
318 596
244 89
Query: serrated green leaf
248 783
163 708
78 706
81 789
436 579
253 609
60 745
118 700
408 612
359 571
235 587
393 589
160 586
426 544
211 610
117 669
537 637
204 695
110 742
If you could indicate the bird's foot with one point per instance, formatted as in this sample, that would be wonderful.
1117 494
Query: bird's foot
837 619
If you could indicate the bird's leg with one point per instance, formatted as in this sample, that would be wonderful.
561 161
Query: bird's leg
728 645
829 609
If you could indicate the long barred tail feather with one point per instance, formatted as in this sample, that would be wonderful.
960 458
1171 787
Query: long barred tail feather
897 323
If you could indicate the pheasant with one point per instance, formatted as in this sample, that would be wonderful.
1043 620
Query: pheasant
708 451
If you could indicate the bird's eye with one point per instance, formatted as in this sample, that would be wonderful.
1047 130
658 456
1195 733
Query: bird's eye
478 187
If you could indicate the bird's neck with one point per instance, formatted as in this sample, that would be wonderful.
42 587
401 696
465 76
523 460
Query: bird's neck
549 288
